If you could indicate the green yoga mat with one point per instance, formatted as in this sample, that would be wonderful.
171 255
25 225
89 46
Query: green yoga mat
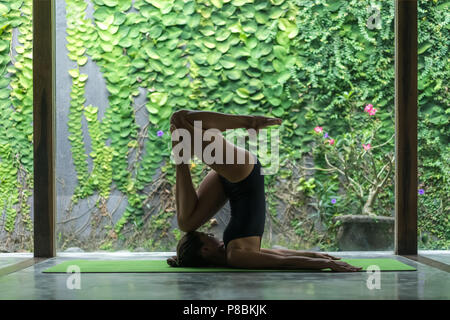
161 266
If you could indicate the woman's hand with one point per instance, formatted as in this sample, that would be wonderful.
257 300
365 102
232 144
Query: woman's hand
259 122
173 261
342 266
325 256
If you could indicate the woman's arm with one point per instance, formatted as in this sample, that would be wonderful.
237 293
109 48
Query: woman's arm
287 252
261 260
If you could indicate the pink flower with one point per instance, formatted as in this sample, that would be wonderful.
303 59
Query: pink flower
368 107
366 146
330 141
372 112
318 129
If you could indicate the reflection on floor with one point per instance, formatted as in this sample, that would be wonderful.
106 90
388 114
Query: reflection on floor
425 283
438 255
8 259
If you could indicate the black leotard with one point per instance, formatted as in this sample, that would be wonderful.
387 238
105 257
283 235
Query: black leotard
248 205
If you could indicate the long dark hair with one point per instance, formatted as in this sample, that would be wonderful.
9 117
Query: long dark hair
189 252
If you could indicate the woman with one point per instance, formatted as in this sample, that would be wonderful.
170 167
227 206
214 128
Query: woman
240 183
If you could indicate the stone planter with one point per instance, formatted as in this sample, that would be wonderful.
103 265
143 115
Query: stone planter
365 233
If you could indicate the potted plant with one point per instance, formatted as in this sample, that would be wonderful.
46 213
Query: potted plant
363 173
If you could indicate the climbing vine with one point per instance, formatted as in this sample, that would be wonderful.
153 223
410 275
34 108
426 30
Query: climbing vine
16 131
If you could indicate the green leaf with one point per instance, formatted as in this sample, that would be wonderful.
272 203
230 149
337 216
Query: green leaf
4 94
107 47
165 112
243 93
111 3
239 100
283 38
262 33
209 43
250 27
227 63
159 98
293 32
4 82
207 31
223 46
278 112
280 52
333 5
278 65
257 96
274 101
155 31
101 13
284 24
213 57
424 47
151 52
251 42
120 17
275 13
153 119
105 35
139 63
104 25
217 3
83 77
199 57
218 19
233 74
3 9
283 77
226 96
82 61
4 45
152 108
222 34
239 3
74 73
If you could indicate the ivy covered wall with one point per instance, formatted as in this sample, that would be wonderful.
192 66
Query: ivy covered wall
129 64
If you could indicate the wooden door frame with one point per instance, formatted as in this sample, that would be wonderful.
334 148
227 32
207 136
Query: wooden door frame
44 204
405 128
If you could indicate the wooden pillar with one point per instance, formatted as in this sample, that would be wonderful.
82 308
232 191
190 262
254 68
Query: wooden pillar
44 127
406 127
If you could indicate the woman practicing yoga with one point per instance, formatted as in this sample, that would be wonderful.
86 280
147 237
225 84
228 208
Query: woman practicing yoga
239 182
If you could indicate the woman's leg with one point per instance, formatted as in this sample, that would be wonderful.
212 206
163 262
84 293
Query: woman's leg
195 208
234 166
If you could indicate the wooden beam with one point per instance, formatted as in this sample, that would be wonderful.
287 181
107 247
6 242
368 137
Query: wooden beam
44 127
20 266
406 127
429 262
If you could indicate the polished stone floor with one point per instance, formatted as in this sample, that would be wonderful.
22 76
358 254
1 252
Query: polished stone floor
425 283
438 255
